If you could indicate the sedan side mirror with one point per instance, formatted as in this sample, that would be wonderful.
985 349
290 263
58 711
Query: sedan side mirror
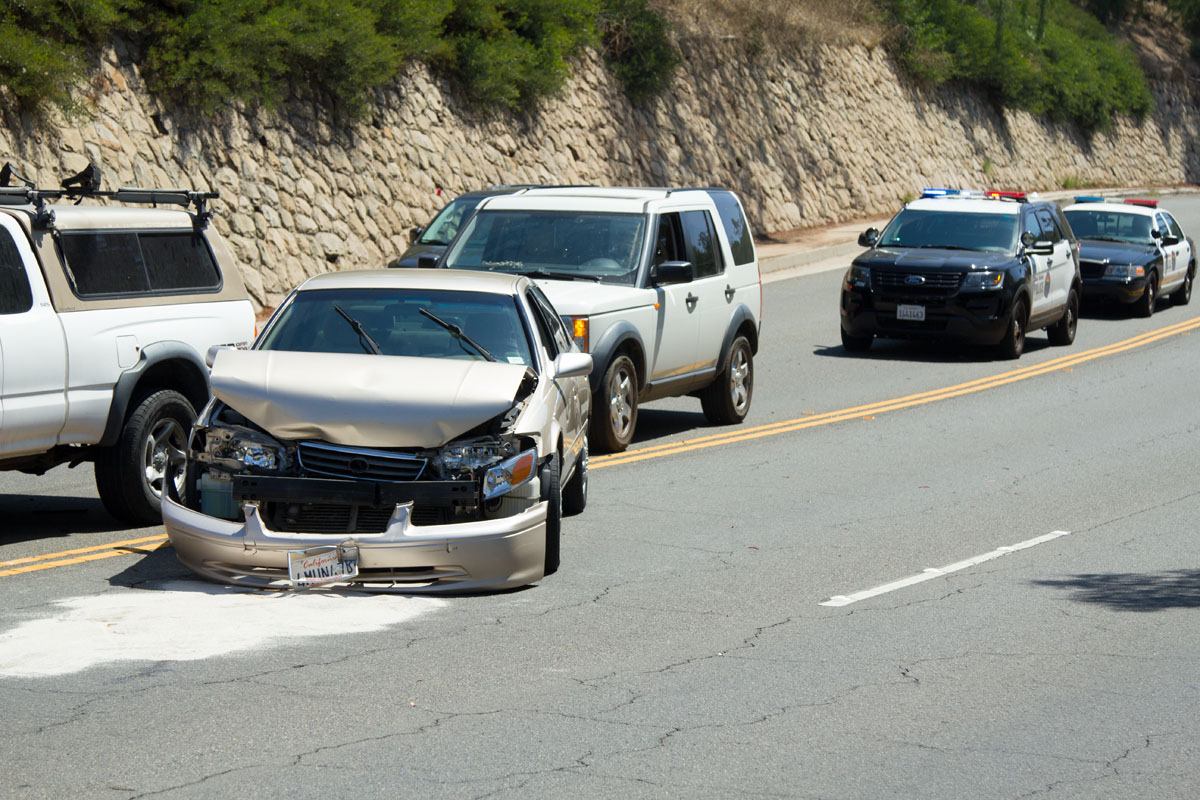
1169 240
573 365
868 238
211 355
674 272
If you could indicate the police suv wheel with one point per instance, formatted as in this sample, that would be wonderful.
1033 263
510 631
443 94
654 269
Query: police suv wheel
1014 339
856 344
1062 333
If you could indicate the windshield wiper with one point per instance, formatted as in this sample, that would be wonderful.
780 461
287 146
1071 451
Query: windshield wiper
437 242
571 276
458 334
946 247
1109 239
365 339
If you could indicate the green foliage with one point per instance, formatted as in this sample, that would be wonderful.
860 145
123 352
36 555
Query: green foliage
1048 57
42 53
638 47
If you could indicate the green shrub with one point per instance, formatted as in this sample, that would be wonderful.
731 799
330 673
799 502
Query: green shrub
1052 58
638 47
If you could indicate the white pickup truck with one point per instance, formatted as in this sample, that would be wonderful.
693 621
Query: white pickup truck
106 315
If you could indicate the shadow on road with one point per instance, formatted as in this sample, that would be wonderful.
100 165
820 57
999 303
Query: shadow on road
27 517
655 423
925 352
1134 591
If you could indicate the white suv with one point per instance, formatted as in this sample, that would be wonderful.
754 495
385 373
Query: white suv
661 286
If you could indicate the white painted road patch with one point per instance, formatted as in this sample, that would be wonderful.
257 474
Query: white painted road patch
187 621
932 572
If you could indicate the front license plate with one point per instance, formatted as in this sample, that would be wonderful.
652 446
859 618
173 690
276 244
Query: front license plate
319 565
913 313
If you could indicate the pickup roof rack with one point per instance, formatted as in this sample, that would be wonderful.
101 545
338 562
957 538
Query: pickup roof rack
86 184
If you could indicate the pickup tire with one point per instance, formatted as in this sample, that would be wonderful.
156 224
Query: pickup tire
131 475
726 400
614 406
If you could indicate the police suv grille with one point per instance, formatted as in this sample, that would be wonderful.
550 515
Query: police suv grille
357 463
916 282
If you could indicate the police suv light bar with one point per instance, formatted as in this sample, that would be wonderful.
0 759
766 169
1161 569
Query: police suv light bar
1144 203
938 192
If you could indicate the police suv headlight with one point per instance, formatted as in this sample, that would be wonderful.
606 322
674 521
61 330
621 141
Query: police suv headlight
858 277
983 281
1125 271
509 474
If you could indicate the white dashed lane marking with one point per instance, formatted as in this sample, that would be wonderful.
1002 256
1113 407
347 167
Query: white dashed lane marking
937 572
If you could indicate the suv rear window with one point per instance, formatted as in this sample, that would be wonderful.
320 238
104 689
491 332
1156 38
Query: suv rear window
741 240
123 263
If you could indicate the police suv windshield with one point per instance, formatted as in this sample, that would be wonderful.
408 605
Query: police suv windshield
595 246
952 230
1110 226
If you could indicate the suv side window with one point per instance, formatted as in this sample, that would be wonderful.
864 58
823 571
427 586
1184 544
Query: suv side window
668 241
15 294
741 240
703 249
116 262
1050 231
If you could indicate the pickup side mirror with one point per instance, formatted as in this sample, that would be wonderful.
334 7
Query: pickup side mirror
573 365
1035 247
674 272
427 260
868 238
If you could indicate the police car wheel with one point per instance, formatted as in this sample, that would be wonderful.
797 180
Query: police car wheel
856 344
1183 295
1014 339
1062 333
1144 307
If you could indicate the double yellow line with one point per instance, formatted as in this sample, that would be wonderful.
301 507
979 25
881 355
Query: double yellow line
858 412
52 560
150 543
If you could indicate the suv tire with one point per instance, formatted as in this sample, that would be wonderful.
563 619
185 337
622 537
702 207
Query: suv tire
1062 333
856 344
1013 344
614 408
726 400
132 475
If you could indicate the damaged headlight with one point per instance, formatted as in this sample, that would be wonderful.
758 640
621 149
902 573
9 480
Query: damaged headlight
473 455
239 449
508 475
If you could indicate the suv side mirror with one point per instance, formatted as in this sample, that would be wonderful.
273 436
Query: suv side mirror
416 234
1035 247
674 272
427 260
868 238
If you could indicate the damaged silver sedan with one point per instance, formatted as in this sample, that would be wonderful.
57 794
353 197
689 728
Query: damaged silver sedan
413 431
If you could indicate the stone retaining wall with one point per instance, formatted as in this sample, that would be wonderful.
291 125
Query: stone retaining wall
823 136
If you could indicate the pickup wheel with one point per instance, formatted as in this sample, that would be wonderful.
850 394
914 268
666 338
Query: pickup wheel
614 408
726 400
1062 332
132 475
552 493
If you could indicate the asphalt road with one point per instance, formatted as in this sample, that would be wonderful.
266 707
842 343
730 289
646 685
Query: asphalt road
733 617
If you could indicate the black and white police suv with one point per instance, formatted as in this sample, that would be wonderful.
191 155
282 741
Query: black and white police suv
957 265
1131 252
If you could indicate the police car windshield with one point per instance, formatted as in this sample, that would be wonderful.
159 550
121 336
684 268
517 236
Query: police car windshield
952 230
1110 226
594 246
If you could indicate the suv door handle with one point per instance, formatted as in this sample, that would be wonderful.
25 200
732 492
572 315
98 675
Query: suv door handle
691 300
729 293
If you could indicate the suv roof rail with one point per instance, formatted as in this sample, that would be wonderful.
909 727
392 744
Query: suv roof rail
86 184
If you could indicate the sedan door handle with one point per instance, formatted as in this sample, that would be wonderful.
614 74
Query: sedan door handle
729 293
691 300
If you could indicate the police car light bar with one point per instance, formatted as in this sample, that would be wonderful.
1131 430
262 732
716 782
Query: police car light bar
1018 196
1088 199
1144 203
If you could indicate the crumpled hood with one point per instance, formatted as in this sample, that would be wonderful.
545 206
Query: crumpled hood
588 297
1116 252
934 259
364 400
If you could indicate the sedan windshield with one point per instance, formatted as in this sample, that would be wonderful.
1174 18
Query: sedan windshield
402 322
1110 226
952 230
572 245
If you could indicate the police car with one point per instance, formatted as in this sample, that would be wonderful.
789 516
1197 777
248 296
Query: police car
1132 252
980 268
